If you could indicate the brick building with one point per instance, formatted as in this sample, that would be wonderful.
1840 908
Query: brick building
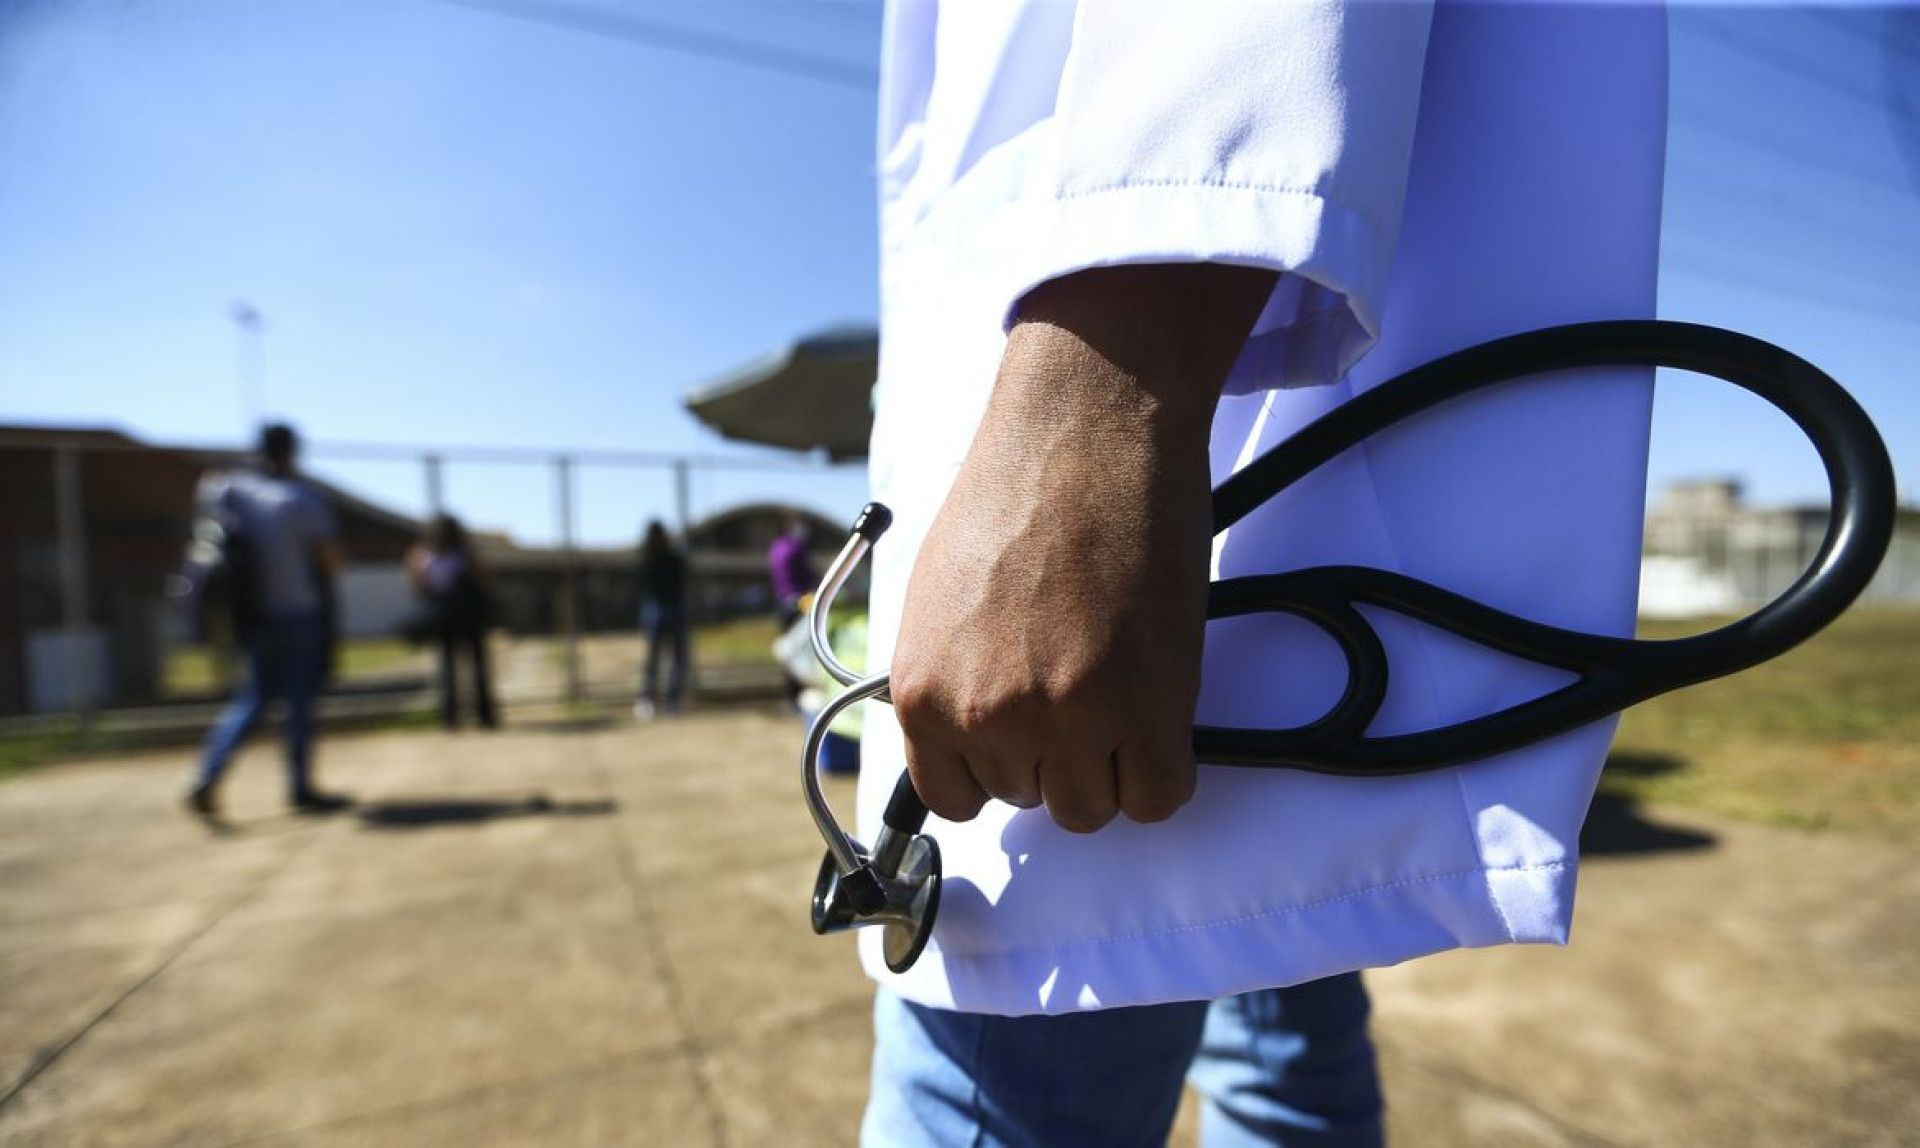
135 504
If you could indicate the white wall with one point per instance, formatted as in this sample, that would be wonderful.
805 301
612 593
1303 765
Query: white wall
374 598
1675 587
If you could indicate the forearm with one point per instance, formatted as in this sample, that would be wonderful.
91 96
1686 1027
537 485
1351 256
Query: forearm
1050 649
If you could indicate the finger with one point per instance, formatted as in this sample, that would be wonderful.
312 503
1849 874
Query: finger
1079 790
945 784
1154 778
1011 778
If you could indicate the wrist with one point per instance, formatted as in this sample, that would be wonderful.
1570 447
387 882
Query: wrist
1153 340
1054 381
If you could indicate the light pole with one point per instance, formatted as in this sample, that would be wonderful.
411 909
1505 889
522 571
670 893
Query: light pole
251 349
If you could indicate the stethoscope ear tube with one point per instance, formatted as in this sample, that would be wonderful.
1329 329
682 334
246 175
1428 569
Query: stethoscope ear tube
897 884
1613 673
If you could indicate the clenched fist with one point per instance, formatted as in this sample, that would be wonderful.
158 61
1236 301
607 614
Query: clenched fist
1049 653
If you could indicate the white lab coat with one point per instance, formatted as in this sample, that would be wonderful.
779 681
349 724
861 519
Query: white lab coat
1429 176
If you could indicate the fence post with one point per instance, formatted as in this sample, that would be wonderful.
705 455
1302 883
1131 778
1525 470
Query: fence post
683 514
436 501
70 531
683 498
569 587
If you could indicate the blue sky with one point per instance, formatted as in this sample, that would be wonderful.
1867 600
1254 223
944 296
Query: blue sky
465 227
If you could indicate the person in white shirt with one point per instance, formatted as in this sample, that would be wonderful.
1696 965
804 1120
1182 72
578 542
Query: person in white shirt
1125 247
290 542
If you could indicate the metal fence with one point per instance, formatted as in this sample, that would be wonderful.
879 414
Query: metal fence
92 524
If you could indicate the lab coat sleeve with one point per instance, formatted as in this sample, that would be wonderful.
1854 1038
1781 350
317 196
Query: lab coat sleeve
1264 134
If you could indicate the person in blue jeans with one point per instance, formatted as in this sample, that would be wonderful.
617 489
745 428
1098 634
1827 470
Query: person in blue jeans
1290 1066
287 534
663 618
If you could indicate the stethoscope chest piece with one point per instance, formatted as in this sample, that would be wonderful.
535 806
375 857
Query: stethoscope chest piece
896 884
911 901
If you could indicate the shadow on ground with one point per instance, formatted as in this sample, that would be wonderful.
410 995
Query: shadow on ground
571 723
428 812
1616 826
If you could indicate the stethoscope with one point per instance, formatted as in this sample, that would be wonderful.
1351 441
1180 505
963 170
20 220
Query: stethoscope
896 883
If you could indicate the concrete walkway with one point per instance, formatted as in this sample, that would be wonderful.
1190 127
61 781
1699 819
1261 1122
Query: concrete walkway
573 934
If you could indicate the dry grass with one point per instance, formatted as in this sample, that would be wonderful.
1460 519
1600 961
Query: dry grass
1827 736
193 671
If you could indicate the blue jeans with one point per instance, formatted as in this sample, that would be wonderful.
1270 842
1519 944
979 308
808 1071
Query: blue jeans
666 630
1290 1067
286 658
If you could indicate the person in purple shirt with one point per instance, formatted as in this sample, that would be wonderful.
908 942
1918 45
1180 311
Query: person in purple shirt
790 568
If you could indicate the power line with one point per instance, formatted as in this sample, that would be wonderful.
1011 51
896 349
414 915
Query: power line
1848 22
674 38
1785 203
1831 163
1765 50
1699 263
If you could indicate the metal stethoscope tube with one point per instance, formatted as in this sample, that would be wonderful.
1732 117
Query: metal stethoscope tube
873 521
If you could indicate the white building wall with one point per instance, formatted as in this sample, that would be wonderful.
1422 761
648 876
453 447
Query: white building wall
1676 587
374 599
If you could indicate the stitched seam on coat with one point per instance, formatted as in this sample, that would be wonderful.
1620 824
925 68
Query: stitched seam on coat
1223 185
1264 914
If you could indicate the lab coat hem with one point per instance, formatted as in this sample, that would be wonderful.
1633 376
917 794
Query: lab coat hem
1276 947
1277 911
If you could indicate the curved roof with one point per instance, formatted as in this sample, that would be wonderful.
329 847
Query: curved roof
815 394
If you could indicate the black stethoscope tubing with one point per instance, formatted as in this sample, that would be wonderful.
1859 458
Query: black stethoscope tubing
1613 673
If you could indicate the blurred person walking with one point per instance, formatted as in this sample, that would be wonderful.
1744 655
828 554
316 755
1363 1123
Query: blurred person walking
663 619
790 569
282 553
448 575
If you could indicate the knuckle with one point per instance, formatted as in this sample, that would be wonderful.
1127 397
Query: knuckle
1092 712
948 793
908 688
1017 794
1077 688
916 703
954 807
1075 819
1157 792
1003 777
999 712
973 715
1153 807
1004 732
1157 773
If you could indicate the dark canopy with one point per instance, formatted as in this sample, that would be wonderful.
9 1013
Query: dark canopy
815 395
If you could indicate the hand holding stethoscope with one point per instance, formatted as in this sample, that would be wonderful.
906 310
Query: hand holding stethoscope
896 883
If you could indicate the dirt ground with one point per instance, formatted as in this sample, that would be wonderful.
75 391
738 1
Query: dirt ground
578 932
